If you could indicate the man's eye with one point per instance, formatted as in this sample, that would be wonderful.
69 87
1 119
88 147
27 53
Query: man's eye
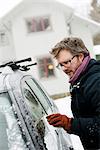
67 62
61 65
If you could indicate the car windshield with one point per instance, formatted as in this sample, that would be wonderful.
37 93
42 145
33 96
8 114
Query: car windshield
10 133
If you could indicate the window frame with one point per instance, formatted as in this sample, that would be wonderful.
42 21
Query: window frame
39 24
44 70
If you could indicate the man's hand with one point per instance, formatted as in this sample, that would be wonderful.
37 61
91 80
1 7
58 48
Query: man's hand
58 120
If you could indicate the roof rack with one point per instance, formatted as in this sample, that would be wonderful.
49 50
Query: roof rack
15 64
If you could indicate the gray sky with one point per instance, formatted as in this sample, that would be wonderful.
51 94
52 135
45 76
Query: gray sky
6 5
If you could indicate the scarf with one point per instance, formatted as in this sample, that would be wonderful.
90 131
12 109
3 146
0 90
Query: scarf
80 69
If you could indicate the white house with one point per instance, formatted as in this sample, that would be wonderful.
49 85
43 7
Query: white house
35 26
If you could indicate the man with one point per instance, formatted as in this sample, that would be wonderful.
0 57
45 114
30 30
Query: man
84 76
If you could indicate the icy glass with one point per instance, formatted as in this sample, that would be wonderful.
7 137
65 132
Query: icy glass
39 93
33 104
34 93
10 133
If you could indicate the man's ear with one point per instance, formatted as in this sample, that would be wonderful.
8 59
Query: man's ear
81 57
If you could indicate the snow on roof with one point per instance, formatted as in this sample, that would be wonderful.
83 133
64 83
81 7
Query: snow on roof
7 5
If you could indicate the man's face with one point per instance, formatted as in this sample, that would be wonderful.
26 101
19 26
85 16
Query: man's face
68 62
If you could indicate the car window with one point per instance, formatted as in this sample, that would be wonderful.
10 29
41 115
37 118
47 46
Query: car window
10 133
32 102
35 98
39 94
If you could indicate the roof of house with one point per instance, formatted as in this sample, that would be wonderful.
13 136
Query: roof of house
23 4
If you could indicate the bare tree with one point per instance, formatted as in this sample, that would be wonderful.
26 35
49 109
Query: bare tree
95 11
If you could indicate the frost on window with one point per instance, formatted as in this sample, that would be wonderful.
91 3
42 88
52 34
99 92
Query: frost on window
37 24
32 103
10 134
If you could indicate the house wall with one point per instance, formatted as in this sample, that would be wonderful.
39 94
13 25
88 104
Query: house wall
79 27
40 43
7 52
97 50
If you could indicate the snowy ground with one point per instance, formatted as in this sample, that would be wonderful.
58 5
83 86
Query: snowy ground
64 108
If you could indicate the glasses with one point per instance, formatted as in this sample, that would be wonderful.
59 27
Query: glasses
60 65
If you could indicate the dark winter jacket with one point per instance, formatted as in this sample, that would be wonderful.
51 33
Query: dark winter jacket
85 106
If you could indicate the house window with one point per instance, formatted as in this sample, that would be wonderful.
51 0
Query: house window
37 24
45 67
98 57
3 38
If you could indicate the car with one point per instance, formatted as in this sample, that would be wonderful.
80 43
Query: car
24 105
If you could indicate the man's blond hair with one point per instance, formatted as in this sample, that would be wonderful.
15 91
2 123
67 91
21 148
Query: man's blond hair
73 44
